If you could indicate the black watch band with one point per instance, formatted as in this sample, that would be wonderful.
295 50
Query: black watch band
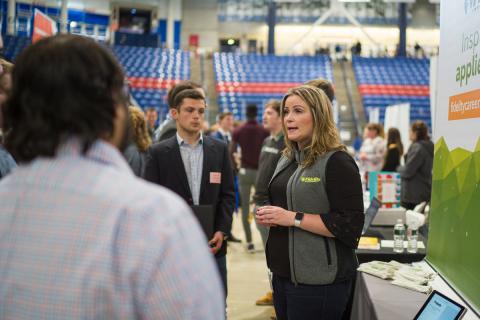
298 219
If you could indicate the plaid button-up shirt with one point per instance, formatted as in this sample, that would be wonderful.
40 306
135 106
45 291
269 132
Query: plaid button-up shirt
82 238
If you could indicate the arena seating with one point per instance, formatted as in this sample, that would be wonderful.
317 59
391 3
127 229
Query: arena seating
13 45
151 72
254 79
386 81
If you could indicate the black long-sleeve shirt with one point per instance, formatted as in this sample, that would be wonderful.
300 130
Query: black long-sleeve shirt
392 160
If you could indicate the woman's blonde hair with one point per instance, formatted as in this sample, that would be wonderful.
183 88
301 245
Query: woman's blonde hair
325 136
138 127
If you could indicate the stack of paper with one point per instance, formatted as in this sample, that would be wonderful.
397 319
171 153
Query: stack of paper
403 275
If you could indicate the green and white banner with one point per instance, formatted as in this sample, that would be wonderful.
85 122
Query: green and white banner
454 238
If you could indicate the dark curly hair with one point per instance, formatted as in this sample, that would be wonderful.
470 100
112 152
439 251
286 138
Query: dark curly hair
63 86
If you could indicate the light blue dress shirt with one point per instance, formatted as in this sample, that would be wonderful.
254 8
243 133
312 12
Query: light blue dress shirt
192 157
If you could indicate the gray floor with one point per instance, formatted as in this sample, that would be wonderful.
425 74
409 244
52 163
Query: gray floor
247 277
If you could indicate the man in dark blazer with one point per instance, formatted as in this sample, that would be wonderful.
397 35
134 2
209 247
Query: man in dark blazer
197 168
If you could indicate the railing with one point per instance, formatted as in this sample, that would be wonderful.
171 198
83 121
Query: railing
351 102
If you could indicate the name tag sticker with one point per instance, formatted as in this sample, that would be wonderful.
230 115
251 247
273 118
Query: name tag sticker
270 150
215 177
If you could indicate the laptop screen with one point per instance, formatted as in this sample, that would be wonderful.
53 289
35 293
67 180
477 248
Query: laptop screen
440 307
370 214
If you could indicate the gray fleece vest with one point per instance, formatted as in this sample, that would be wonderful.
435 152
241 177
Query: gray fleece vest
313 258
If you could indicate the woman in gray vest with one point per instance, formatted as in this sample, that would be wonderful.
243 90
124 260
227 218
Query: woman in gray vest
315 212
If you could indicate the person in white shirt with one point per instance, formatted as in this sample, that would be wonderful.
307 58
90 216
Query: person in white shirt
372 152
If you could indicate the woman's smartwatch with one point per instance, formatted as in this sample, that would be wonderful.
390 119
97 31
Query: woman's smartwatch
298 219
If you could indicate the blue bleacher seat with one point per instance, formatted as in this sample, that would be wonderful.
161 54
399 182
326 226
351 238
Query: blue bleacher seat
253 68
154 63
394 71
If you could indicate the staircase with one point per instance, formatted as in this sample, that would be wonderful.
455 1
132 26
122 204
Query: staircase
201 71
195 72
351 114
356 97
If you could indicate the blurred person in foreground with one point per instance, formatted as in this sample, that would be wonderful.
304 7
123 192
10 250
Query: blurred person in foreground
81 236
315 213
136 151
7 163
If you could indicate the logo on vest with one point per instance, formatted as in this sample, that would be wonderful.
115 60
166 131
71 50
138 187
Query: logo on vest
310 179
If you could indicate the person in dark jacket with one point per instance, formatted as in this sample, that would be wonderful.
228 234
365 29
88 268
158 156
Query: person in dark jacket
394 150
136 151
270 154
315 213
416 174
197 168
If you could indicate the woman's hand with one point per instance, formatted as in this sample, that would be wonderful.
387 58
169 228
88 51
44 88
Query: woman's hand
275 216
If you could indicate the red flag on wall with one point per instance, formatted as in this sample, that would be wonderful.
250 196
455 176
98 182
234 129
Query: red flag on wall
43 26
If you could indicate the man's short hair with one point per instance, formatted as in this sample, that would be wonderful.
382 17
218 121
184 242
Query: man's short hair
184 85
62 86
325 85
151 109
223 115
251 111
187 94
274 104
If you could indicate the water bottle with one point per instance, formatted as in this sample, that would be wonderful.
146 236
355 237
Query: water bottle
398 236
412 236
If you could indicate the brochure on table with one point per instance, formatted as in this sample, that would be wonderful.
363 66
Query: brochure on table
454 231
